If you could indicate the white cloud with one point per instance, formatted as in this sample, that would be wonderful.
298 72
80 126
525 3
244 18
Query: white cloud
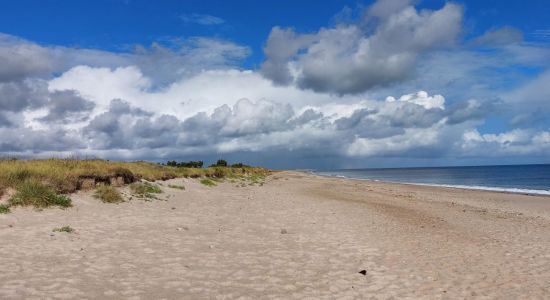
423 99
514 142
351 59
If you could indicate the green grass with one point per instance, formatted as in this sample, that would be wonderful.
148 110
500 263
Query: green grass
145 190
37 194
208 182
175 186
108 194
4 209
67 229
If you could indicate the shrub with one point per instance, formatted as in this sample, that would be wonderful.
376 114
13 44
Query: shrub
188 164
220 163
239 165
36 194
4 209
108 194
145 189
208 182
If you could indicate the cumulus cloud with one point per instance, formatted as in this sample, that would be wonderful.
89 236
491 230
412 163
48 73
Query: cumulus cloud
67 106
229 111
282 45
385 8
21 95
350 58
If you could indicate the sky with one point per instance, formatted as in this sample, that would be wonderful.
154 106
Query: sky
284 84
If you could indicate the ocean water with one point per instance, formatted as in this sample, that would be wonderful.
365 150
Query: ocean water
526 179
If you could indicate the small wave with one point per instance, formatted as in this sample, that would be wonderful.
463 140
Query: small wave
457 186
488 188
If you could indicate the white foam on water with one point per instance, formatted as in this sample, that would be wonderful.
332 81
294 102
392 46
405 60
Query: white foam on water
488 188
457 186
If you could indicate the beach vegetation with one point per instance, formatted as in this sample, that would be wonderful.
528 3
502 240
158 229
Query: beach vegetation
175 186
220 163
145 190
4 209
66 229
34 193
188 164
208 182
46 182
239 165
108 194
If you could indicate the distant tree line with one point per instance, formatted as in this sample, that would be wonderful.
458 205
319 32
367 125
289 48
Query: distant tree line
199 164
184 164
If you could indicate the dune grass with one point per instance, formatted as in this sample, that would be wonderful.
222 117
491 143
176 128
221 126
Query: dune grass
145 190
175 186
42 183
208 182
33 193
108 194
64 175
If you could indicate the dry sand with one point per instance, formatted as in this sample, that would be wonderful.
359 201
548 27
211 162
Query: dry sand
297 236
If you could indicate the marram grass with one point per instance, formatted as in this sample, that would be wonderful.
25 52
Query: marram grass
43 183
108 194
34 193
145 190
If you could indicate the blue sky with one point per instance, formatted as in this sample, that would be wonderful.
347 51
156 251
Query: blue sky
342 84
113 24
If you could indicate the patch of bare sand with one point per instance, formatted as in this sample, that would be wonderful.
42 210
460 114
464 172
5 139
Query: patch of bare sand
297 236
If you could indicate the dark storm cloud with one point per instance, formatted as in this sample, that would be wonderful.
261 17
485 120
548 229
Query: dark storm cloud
67 106
27 140
20 95
112 128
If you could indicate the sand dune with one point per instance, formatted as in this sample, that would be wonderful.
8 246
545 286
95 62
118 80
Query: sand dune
297 236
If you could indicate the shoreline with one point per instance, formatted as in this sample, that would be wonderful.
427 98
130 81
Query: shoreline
519 191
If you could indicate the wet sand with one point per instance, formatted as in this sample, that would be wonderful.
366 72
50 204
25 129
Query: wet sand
297 236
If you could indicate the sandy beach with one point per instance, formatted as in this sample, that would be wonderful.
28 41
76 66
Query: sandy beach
297 236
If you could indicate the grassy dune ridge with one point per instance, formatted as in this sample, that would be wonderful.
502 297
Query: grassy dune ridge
42 183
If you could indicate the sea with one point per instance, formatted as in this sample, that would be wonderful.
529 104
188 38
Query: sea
524 179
